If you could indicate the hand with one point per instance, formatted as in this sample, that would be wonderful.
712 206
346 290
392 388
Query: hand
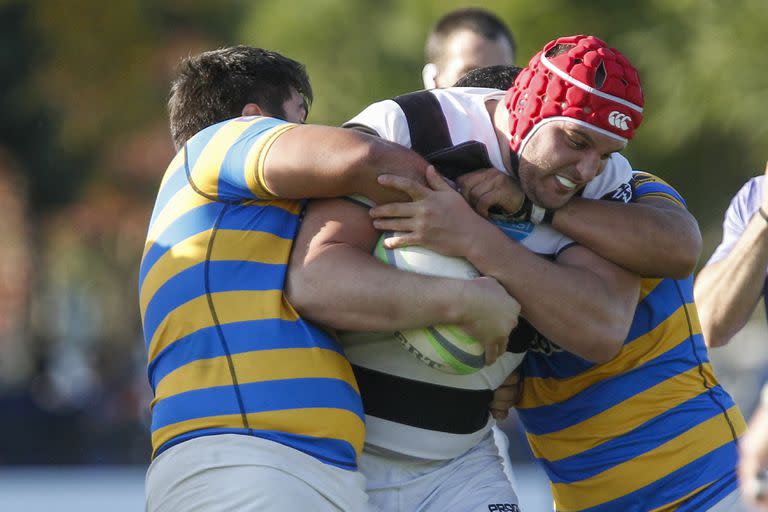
437 217
488 188
490 314
505 396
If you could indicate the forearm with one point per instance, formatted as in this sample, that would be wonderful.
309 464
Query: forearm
727 291
344 288
319 161
578 309
645 238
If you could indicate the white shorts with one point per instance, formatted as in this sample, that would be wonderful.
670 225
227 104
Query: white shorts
474 481
236 472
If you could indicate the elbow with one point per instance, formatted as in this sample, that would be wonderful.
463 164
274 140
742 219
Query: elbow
713 336
299 293
608 341
686 252
604 349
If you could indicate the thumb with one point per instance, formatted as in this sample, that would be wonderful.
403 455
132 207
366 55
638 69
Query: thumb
436 181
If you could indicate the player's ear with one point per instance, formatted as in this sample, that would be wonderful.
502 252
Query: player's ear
428 74
252 109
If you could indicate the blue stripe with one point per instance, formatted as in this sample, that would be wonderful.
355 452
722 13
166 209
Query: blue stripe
712 495
660 304
232 184
197 144
654 309
609 392
176 182
274 395
330 451
241 337
655 188
223 276
269 219
717 464
644 438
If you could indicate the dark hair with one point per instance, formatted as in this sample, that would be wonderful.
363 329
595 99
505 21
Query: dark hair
215 86
479 21
494 77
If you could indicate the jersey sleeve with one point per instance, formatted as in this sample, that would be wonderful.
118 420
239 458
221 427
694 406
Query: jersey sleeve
743 206
645 184
225 162
614 183
385 119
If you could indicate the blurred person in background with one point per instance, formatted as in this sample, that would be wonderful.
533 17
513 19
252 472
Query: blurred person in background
463 40
728 290
567 399
255 408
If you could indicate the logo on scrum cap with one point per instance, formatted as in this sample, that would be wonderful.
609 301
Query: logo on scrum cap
619 120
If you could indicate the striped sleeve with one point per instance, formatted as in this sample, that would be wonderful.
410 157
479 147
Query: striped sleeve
645 184
226 162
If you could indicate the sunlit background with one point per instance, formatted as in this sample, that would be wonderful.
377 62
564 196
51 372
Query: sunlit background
84 143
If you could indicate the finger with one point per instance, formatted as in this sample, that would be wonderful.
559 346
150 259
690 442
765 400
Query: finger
436 180
513 379
490 354
481 191
499 414
471 179
393 210
414 189
403 240
394 224
485 202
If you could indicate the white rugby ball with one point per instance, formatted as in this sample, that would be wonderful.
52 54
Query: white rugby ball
444 347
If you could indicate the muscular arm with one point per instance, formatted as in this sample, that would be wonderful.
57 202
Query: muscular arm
653 237
727 291
582 301
321 161
334 280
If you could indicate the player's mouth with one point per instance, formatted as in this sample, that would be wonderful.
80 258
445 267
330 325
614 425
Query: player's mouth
565 182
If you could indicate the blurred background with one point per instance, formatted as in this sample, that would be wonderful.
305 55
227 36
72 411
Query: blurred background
84 143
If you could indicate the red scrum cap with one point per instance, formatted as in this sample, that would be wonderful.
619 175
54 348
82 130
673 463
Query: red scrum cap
578 79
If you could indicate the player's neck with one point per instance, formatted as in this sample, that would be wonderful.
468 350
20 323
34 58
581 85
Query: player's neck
497 111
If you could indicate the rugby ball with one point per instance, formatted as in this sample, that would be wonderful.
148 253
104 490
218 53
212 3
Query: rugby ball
447 348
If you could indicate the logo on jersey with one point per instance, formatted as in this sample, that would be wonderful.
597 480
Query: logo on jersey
542 345
619 120
503 507
515 230
622 194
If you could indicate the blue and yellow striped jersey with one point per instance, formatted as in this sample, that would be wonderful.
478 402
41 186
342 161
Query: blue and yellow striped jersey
650 430
227 352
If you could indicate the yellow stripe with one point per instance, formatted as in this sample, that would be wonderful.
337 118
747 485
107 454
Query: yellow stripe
239 306
205 173
540 391
230 245
183 201
180 257
647 286
325 423
257 366
622 418
649 467
255 162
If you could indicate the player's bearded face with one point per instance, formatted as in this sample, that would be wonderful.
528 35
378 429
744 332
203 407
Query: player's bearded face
560 159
